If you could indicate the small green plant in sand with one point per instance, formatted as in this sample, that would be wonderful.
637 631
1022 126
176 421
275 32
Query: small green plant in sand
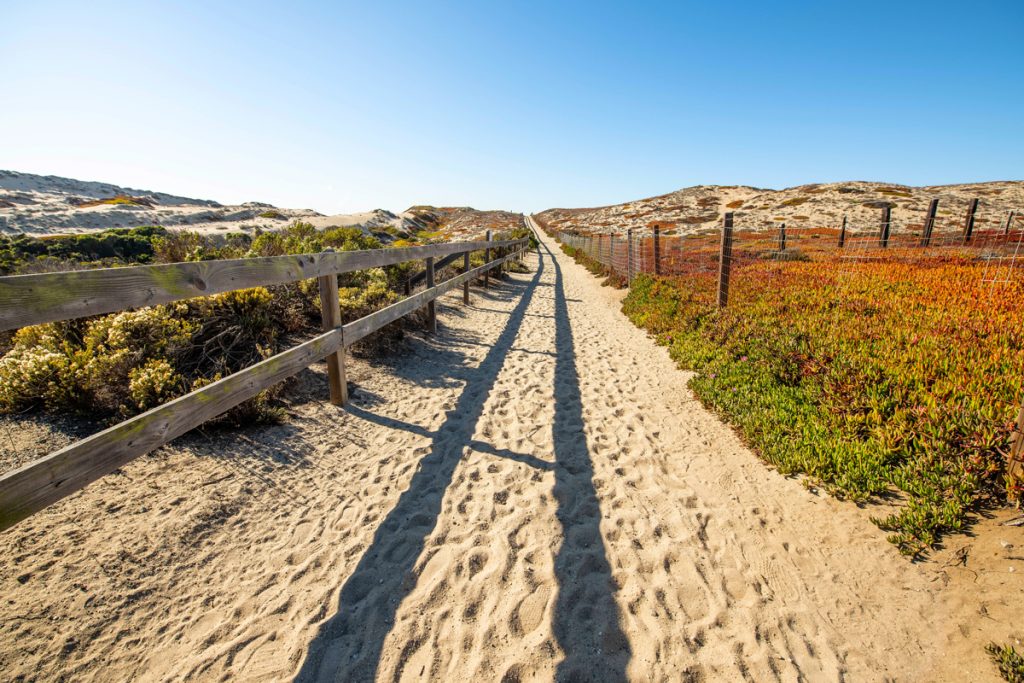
1009 661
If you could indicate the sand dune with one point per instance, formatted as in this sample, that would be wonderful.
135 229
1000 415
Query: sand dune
818 205
45 205
533 494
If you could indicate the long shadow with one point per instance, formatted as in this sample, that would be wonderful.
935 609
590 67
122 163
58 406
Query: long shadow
348 645
587 622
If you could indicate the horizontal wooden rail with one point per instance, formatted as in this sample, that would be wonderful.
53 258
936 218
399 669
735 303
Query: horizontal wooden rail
48 297
421 276
47 480
42 482
358 329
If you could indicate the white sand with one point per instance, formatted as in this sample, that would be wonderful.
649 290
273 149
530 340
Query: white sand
533 494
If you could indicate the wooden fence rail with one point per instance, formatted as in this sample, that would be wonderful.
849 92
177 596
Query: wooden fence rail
26 300
48 297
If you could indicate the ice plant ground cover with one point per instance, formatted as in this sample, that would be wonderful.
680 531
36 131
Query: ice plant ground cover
877 379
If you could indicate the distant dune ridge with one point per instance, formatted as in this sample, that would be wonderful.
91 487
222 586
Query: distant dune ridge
699 208
43 205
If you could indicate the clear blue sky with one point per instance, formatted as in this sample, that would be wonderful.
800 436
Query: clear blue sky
342 106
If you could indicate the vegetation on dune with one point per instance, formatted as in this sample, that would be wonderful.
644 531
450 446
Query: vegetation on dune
888 378
119 200
121 245
121 364
124 363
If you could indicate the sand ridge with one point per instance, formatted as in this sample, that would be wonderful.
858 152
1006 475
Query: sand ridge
533 494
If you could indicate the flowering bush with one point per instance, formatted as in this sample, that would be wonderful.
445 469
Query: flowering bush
153 383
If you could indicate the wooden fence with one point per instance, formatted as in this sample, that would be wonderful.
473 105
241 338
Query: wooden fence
48 297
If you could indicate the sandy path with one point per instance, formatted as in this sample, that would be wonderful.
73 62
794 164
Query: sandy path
533 494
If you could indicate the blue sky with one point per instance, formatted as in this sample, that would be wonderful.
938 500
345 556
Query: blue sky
342 106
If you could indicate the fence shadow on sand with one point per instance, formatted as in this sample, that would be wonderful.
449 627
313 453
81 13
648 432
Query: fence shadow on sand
349 644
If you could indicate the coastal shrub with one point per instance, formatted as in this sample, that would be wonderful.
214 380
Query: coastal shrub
153 383
123 245
121 364
890 378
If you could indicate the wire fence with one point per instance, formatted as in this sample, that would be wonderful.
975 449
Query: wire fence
993 240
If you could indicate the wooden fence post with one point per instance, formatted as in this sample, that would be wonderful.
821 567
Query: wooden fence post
330 316
629 256
431 305
487 259
782 237
725 261
465 286
842 233
657 251
972 208
883 233
929 223
1009 222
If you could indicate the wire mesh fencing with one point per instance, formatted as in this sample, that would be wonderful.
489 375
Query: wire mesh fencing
967 234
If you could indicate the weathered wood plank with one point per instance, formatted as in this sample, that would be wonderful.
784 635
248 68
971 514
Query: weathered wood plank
431 306
47 480
366 325
487 259
929 223
421 276
47 297
972 209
